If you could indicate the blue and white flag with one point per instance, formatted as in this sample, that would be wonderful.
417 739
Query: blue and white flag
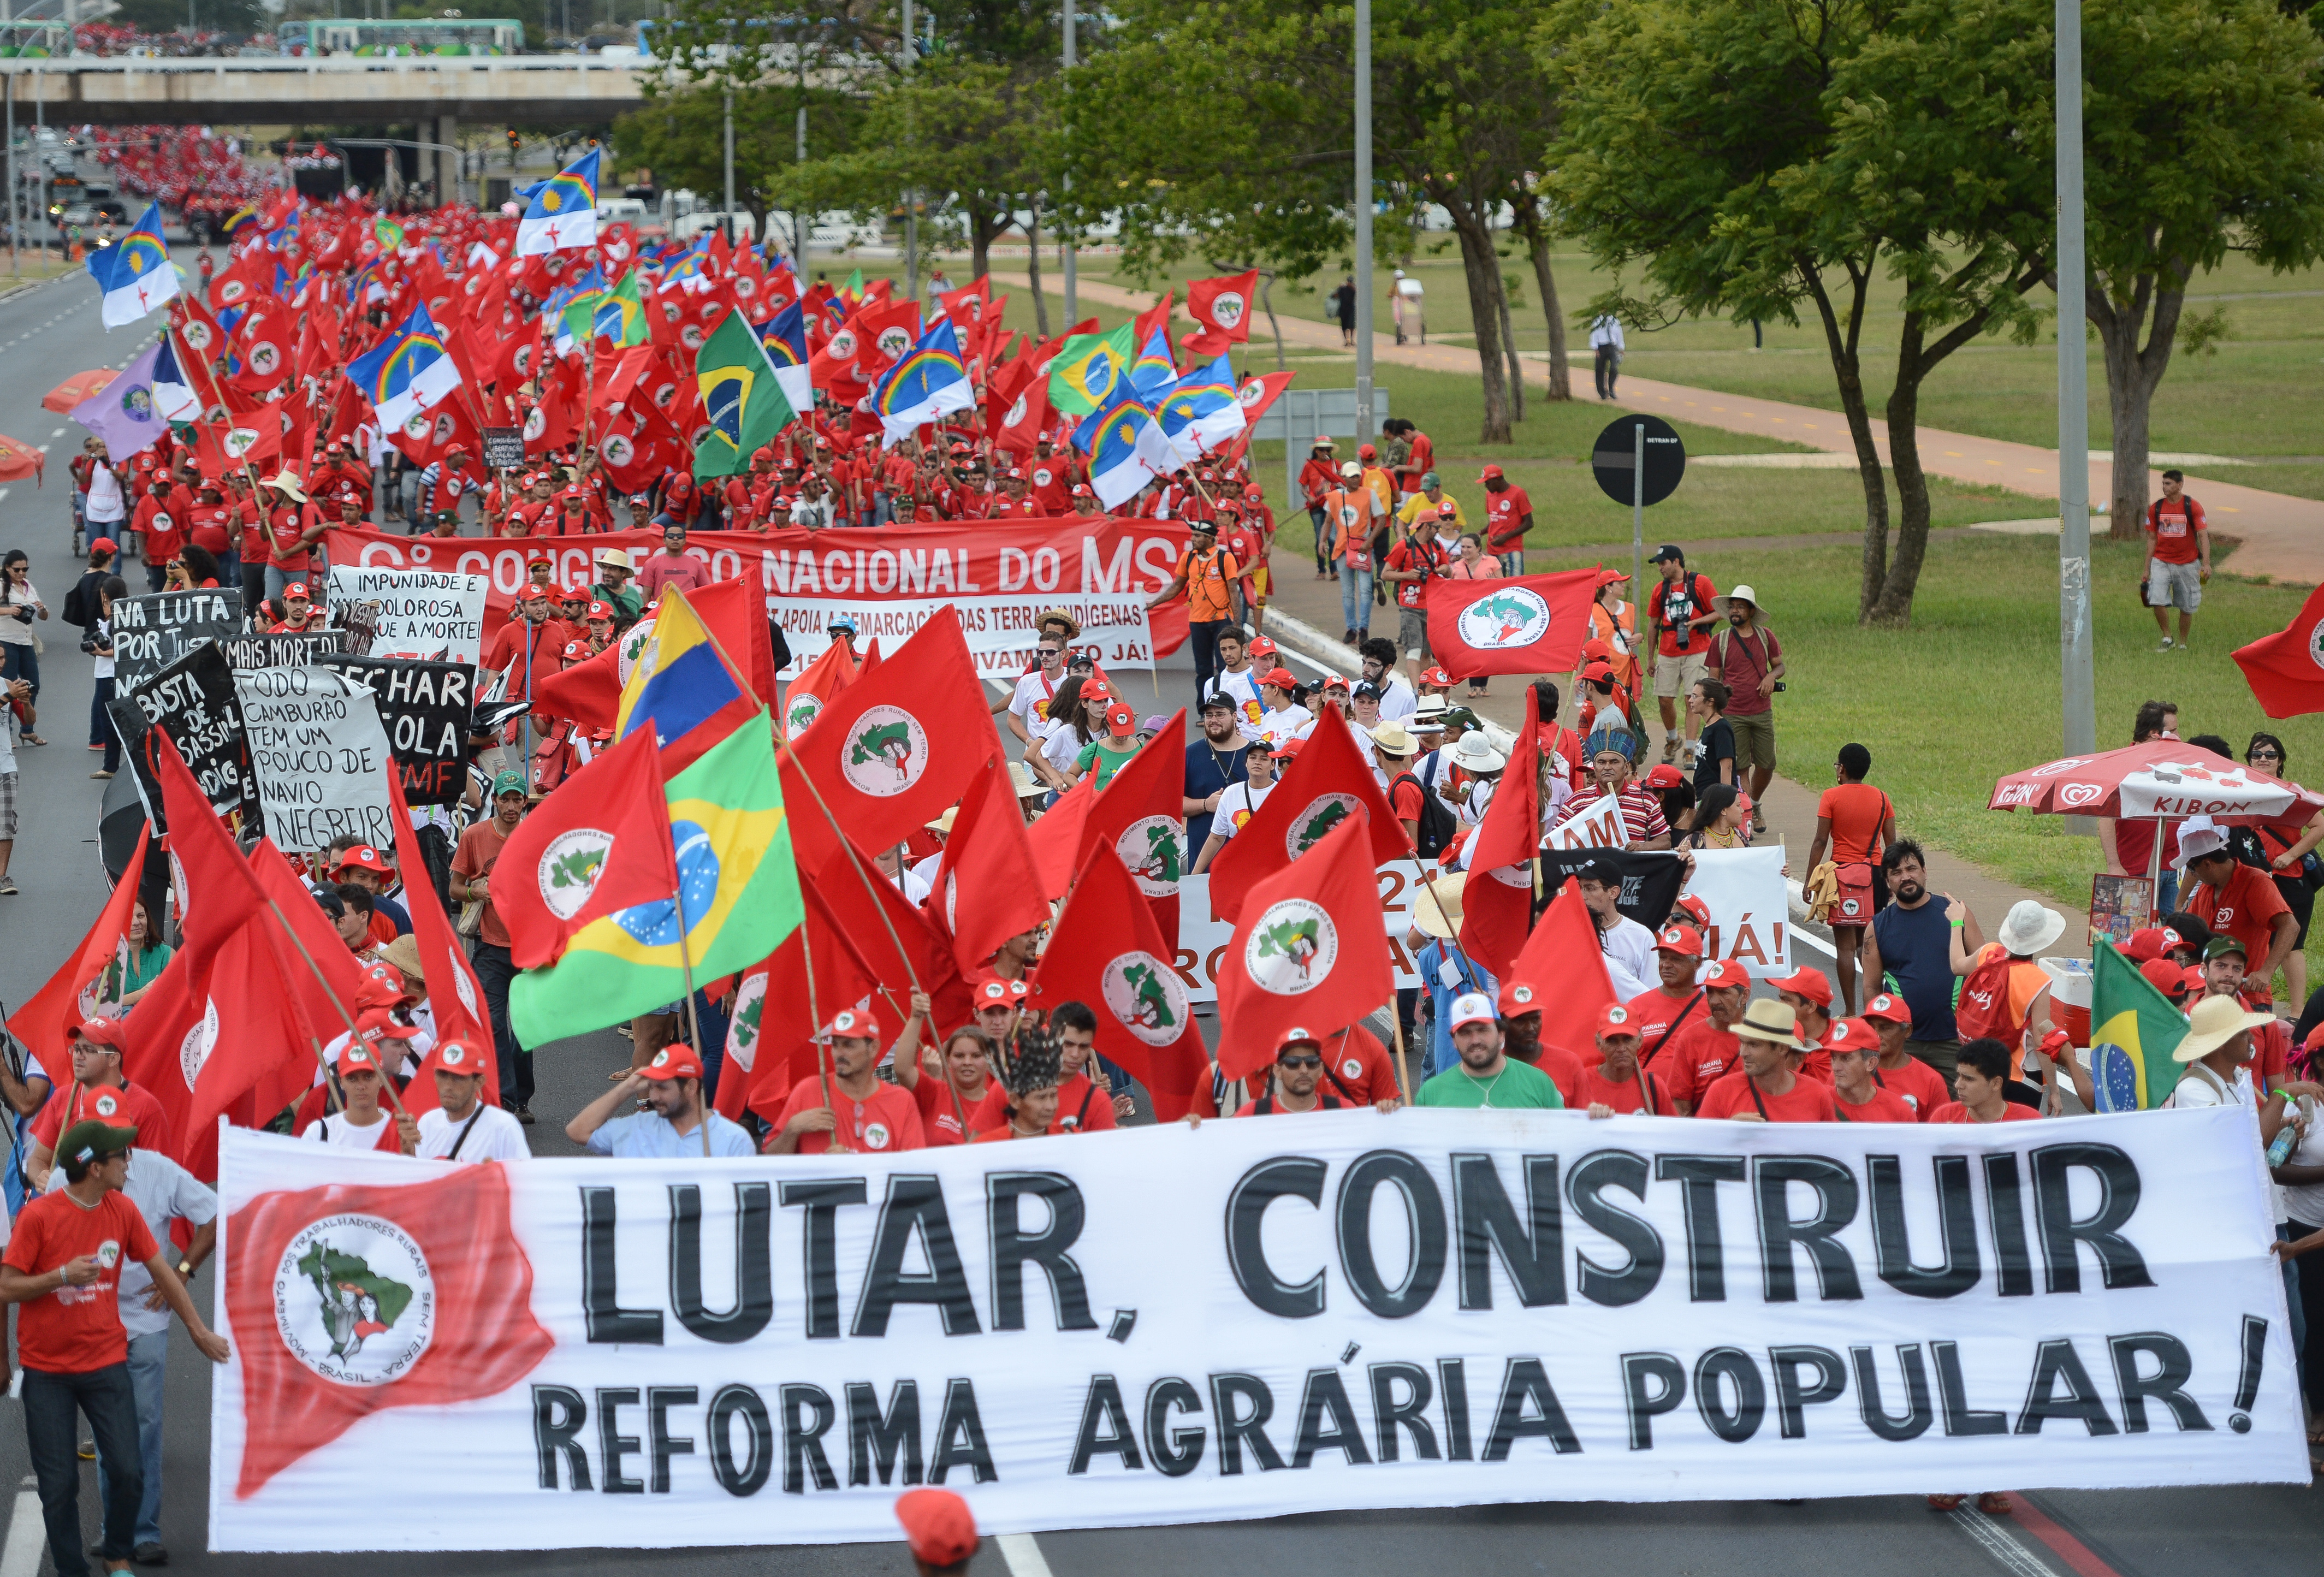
785 338
1126 448
410 373
136 272
561 213
927 381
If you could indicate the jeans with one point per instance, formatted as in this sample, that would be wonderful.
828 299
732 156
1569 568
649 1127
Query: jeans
1512 563
1205 633
883 512
1317 514
149 1357
1609 367
279 580
229 568
107 1399
2310 1269
495 971
100 724
381 489
1356 600
2166 893
712 1050
157 576
2285 1231
21 662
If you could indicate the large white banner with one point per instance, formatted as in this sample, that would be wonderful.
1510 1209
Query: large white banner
1750 907
421 613
319 755
1169 1325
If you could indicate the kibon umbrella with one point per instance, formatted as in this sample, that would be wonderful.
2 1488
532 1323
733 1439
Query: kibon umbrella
75 388
19 459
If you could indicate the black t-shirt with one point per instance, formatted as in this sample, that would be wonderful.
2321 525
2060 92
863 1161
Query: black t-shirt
1204 778
1718 745
1916 947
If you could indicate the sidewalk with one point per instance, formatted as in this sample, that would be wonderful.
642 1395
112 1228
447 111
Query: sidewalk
2282 536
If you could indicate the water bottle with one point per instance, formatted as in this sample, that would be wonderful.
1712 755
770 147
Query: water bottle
2289 1134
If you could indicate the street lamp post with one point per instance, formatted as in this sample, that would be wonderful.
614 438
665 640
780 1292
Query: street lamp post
912 204
2078 681
1364 221
1065 258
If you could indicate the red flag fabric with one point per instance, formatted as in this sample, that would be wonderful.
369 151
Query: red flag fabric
589 692
1057 836
774 1019
456 996
2285 670
1310 941
1562 971
817 686
1328 783
889 754
583 855
42 1022
1142 817
1497 903
986 888
1524 624
1108 953
350 1298
1224 304
1257 394
1154 320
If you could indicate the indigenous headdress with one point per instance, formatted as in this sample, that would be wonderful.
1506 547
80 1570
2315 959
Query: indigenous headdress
1031 1059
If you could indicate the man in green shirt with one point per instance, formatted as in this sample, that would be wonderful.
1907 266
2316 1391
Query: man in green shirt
613 587
1486 1076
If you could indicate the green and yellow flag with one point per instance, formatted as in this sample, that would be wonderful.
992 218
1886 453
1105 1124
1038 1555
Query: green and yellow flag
738 890
1088 366
740 400
2133 1030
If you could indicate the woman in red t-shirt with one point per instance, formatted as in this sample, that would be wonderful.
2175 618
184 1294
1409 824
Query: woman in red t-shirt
1857 822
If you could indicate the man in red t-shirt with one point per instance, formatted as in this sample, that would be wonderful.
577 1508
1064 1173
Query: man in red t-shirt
1765 1089
1676 1001
1899 1072
1508 516
1616 1086
1680 608
97 1092
1299 1084
2236 899
1520 1009
1704 1050
1084 1105
1857 1092
1982 1077
292 527
2177 559
865 1114
160 530
63 1265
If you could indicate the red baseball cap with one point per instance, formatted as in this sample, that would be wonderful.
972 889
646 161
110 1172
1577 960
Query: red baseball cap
1489 474
600 611
456 1057
1263 646
533 593
358 1053
102 1032
297 589
1809 983
1680 939
2152 942
578 651
1120 720
1518 997
2165 977
1694 908
853 1023
1435 676
1724 974
1850 1035
2197 985
1283 678
1615 1018
1297 1035
1664 775
363 857
937 1525
1286 749
674 1062
1888 1007
998 993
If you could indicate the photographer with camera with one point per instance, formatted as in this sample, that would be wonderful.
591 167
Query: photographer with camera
1749 660
1408 566
1680 608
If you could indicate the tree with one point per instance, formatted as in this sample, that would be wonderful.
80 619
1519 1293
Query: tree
2223 153
679 133
1747 157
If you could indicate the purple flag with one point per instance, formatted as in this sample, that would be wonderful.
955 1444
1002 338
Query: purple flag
124 413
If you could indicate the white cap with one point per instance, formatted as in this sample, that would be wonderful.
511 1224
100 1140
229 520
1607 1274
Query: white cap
2199 835
1473 1008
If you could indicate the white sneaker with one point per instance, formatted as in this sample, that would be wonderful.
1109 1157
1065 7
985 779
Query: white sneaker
2167 645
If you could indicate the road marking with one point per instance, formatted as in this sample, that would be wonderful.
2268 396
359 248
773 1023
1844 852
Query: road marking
1022 1557
58 434
2085 1561
28 1537
2007 1551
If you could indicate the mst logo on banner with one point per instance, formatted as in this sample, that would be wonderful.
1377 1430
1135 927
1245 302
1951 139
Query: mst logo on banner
1360 1310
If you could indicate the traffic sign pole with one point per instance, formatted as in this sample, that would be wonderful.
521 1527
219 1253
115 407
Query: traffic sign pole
1638 511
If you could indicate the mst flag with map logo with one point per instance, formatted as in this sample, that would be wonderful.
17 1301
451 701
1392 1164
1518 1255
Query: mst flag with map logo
1526 624
1309 953
1140 816
348 1298
603 845
1109 953
1327 783
743 406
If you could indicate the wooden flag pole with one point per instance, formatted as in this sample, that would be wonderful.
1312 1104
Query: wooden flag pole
1403 1072
685 972
815 1035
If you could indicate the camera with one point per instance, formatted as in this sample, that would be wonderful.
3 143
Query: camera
1781 687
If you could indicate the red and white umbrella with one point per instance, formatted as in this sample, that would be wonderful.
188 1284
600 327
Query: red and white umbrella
2163 779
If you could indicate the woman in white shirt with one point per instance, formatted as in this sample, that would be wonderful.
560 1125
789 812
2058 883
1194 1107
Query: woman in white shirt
20 606
362 1125
98 645
1052 755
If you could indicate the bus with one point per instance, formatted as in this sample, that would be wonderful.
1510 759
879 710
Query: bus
435 35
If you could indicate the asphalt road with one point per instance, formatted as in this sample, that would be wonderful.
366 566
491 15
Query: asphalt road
52 331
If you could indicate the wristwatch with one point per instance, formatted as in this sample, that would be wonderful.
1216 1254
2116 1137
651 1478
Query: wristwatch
185 1269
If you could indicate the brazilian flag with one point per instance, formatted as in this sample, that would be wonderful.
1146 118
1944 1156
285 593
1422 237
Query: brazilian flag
2133 1030
737 898
1088 365
741 400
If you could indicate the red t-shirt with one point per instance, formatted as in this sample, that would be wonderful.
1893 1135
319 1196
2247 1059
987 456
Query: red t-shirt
2171 529
1407 799
940 1119
75 1330
1326 1101
1652 1013
286 552
210 525
1409 594
1805 1102
1631 1095
2011 1112
1696 1057
128 1107
1423 460
1673 604
1917 1084
1884 1107
888 1120
1049 485
164 529
1358 1068
1564 1070
1505 513
1082 1107
2246 909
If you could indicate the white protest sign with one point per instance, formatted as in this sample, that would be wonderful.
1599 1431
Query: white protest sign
1204 937
1166 1325
1750 907
320 755
1599 827
422 612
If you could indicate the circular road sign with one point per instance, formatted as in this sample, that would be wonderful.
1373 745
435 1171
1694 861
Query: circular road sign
1615 454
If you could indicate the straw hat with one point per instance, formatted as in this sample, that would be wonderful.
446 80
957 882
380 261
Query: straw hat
1442 922
1393 739
2215 1021
618 557
1059 616
1028 786
285 482
1769 1019
2029 927
403 953
943 824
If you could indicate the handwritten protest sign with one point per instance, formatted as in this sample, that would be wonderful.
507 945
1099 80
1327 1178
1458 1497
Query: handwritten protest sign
419 612
424 707
319 755
150 633
245 653
194 702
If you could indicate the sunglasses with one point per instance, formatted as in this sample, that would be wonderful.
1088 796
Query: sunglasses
2264 756
1299 1062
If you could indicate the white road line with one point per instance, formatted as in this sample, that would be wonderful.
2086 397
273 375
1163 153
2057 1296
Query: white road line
28 1538
58 434
2007 1551
1019 1552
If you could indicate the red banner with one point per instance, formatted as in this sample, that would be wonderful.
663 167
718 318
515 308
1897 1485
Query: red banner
1001 578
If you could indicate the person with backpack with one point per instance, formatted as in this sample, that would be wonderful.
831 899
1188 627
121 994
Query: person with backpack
2178 560
1857 822
1427 821
1680 609
2005 994
1749 660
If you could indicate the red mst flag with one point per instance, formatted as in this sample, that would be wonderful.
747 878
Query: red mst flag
2286 671
589 692
602 843
1057 836
1328 783
1309 943
1257 394
987 889
1526 624
774 1017
1223 305
1154 320
889 754
1497 903
42 1021
818 684
350 1298
1141 817
1108 953
1562 971
455 995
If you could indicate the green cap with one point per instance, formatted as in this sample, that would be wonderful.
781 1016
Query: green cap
89 1140
507 783
2221 945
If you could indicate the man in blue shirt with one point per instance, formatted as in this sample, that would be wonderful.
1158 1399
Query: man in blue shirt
1213 762
670 1128
1912 940
1445 969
